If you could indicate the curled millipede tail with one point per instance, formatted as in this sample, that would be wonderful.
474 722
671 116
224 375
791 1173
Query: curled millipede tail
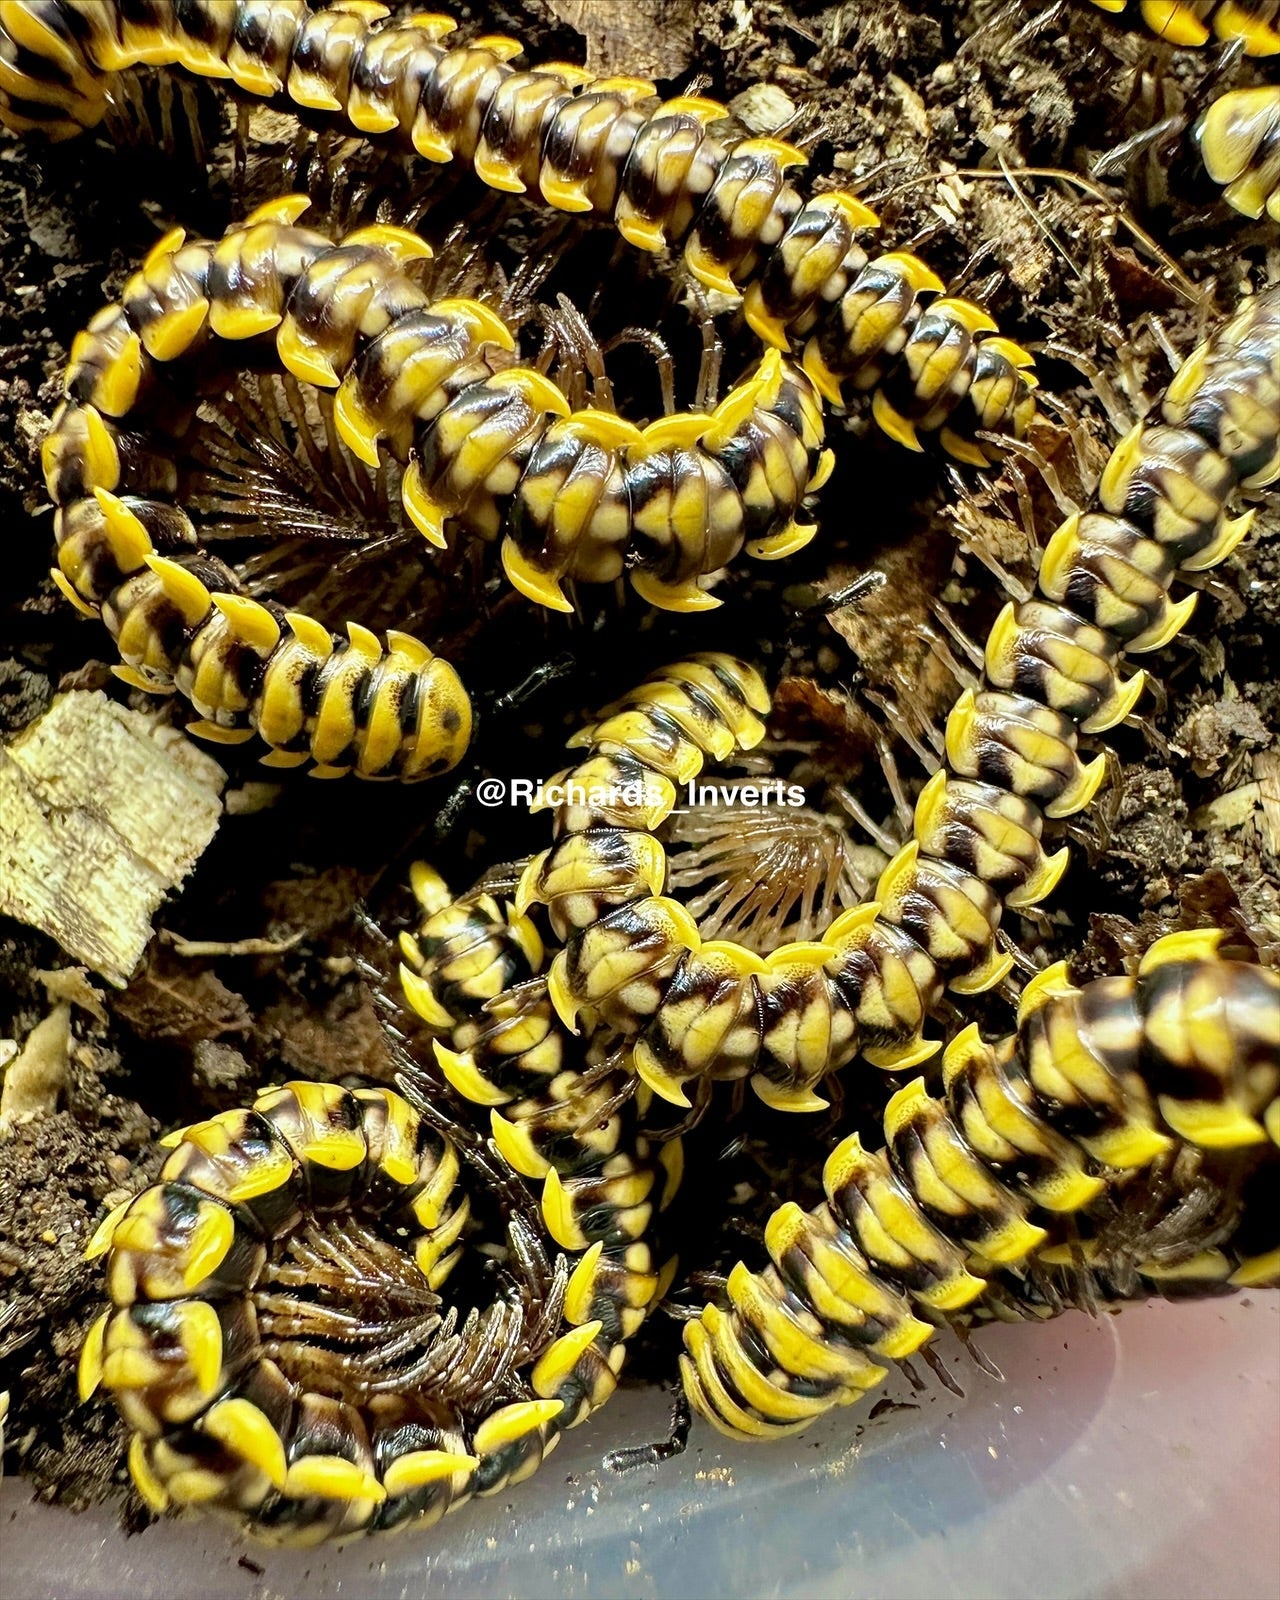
481 444
276 1342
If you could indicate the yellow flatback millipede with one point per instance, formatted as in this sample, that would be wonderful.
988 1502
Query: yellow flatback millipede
634 958
483 443
1028 1130
560 1115
679 173
276 1341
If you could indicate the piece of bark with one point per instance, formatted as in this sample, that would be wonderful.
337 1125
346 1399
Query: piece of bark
1266 763
102 812
643 38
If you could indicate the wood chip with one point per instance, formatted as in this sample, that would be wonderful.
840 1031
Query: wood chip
1230 810
72 983
208 949
763 107
102 812
913 106
33 1079
643 38
1266 764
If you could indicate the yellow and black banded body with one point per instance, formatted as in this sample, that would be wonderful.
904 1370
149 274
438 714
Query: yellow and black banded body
483 443
1096 1084
268 292
634 958
1239 140
280 1244
486 443
1239 135
470 972
679 173
1193 23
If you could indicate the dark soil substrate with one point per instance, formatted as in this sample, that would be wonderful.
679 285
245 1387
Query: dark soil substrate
893 96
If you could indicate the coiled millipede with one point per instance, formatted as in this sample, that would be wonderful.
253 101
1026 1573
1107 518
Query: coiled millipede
276 1343
634 958
1039 1124
670 173
483 443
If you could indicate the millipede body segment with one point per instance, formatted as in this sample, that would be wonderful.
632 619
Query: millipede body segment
1239 135
1239 140
634 959
559 1116
679 174
274 1340
1027 1130
127 550
1193 23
